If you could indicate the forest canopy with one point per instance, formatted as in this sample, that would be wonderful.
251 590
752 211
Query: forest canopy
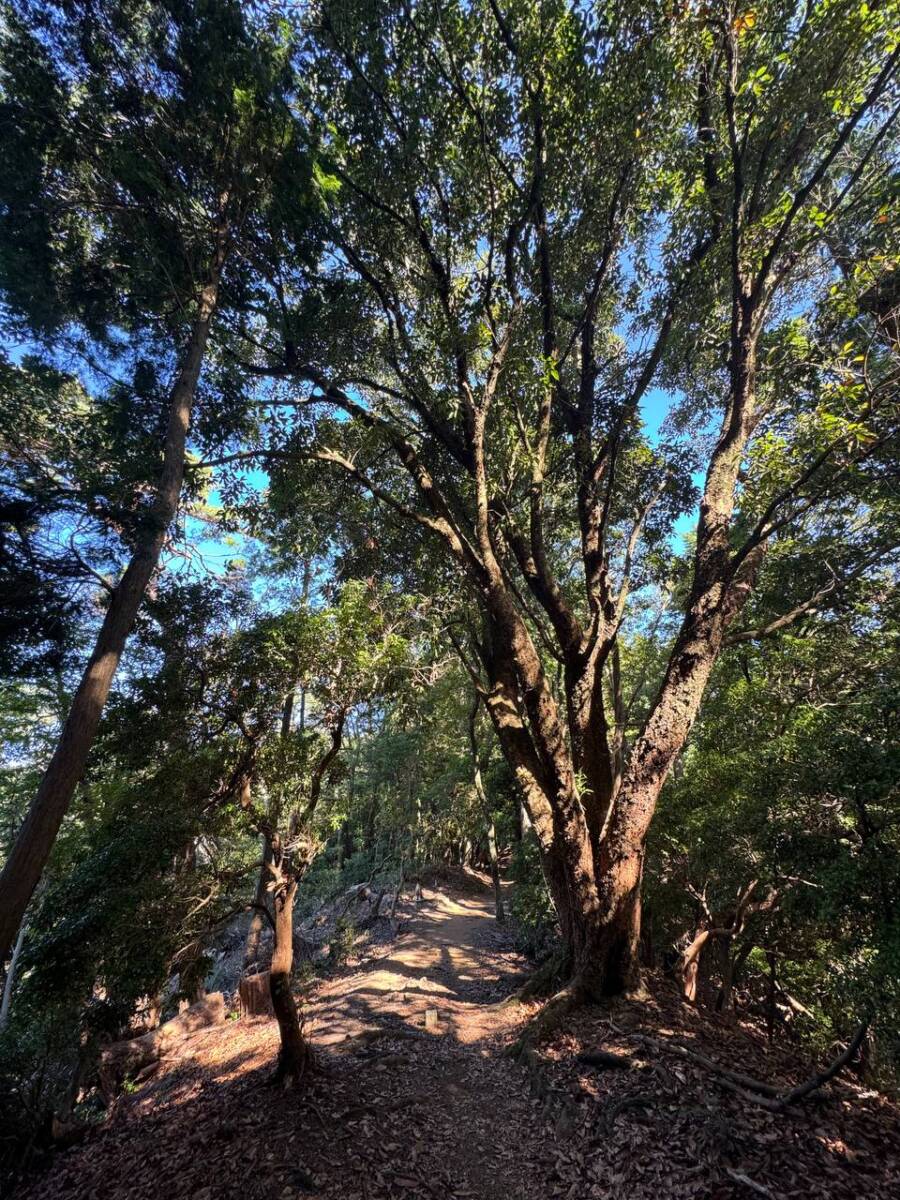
447 433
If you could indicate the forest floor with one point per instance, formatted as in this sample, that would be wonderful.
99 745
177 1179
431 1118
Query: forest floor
395 1110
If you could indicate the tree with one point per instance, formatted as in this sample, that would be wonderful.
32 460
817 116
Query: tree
346 654
478 767
539 215
790 780
141 158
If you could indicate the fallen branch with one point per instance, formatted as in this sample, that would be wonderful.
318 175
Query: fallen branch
764 1094
740 1177
124 1058
353 896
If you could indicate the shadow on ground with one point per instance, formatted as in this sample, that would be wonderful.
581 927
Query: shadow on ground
395 1111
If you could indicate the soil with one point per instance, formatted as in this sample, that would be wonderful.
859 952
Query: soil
415 1095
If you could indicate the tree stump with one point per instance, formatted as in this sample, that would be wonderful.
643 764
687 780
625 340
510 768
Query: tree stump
256 997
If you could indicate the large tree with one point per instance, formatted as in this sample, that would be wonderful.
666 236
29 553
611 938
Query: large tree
143 151
540 215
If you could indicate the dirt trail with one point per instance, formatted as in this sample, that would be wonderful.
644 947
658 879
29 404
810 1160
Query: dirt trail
393 1110
396 1111
451 955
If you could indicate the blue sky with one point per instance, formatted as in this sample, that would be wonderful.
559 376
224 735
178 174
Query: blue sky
216 551
654 409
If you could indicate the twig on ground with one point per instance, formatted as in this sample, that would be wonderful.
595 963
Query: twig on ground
740 1177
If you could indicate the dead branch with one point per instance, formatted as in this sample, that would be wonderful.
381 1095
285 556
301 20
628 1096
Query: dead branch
760 1093
816 1081
740 1177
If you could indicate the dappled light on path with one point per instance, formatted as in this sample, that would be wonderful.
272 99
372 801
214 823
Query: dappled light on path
451 956
413 1097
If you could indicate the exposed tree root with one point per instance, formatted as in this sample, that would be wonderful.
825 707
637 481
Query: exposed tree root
744 1081
548 1020
542 983
288 1075
602 1060
754 1090
549 1096
358 1043
642 1100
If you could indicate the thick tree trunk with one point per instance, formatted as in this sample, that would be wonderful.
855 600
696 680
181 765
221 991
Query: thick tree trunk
295 1054
602 946
37 834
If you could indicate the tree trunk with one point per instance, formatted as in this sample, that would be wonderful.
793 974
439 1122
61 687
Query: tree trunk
690 966
257 921
9 982
486 809
37 834
523 822
294 1057
495 870
607 960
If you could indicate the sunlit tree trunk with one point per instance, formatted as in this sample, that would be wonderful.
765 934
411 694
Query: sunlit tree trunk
294 1055
478 781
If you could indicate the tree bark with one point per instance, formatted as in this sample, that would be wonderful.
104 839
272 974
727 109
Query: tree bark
9 982
260 908
495 869
37 834
294 1056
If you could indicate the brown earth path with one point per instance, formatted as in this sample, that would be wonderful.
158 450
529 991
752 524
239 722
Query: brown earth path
451 956
393 1110
396 1111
